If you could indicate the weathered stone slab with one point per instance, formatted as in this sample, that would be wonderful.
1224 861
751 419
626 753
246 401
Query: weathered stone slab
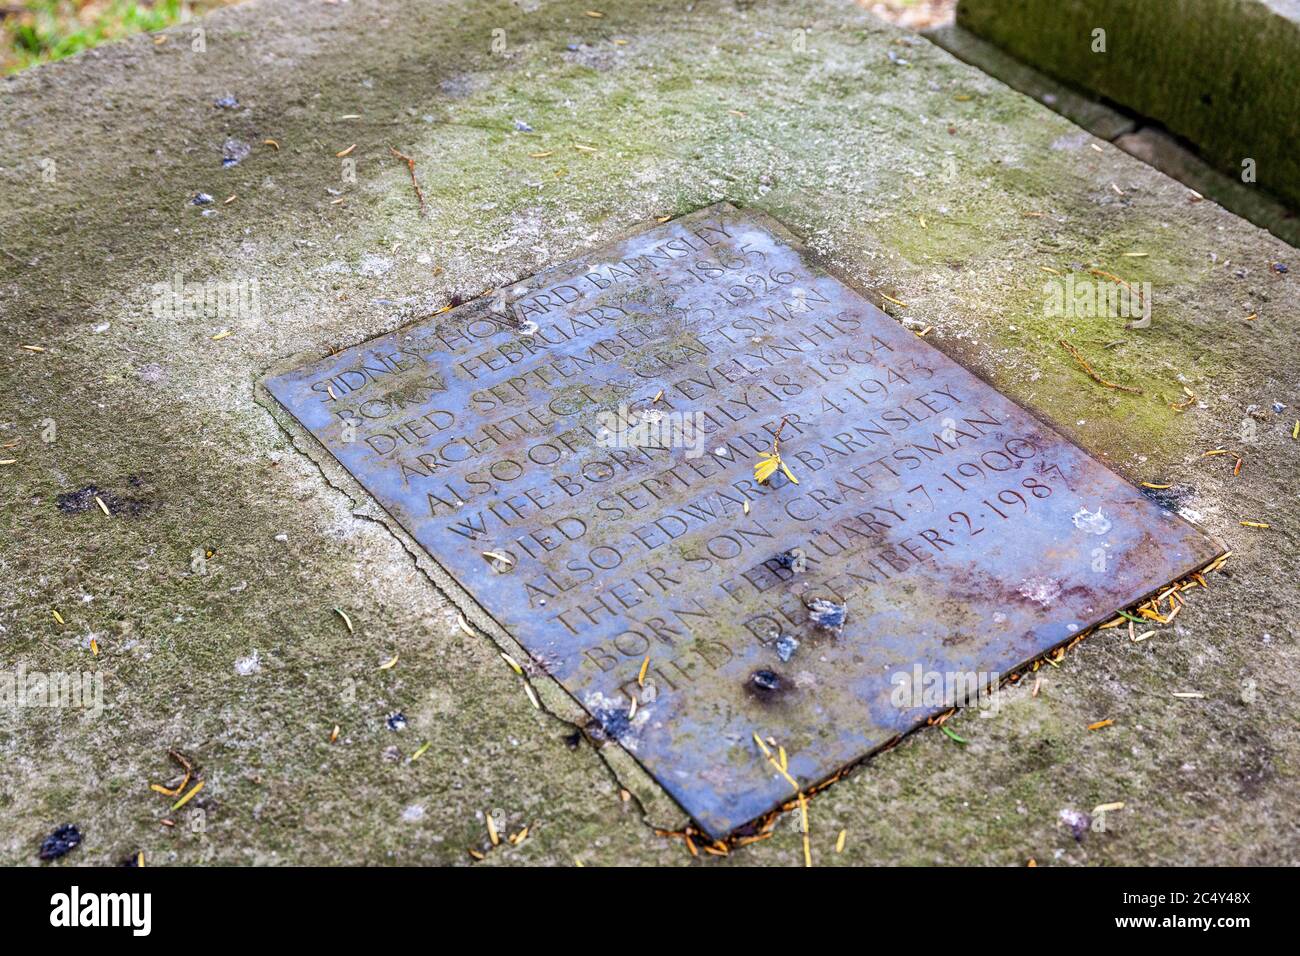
578 451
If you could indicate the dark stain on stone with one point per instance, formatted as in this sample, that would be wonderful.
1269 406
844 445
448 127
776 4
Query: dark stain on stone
83 499
63 840
766 685
1171 498
1036 755
793 560
76 501
1256 762
609 724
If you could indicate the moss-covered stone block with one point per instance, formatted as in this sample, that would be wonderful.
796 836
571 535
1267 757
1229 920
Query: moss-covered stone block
1221 73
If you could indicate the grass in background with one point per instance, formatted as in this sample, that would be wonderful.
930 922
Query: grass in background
39 31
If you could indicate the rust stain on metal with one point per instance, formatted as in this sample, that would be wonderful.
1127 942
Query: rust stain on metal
578 452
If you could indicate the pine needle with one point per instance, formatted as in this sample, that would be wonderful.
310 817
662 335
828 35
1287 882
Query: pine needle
188 797
1083 363
953 735
415 183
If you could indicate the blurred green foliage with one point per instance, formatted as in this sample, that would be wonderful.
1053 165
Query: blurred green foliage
38 31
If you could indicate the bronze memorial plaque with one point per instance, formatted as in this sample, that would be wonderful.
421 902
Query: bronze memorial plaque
592 454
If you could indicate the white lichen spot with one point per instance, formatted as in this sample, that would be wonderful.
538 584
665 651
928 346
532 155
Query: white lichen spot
374 266
596 702
1091 522
413 814
248 665
1040 590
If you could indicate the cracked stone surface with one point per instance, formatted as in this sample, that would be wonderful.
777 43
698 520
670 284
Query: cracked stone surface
898 166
